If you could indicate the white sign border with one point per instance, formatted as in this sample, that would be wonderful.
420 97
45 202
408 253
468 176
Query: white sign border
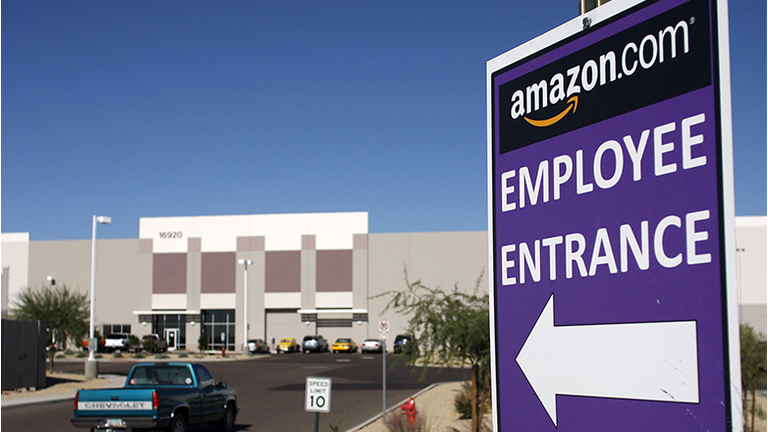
307 407
571 28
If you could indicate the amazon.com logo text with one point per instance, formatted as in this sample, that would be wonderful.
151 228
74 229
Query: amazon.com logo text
652 49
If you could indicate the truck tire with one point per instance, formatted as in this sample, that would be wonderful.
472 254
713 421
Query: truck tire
179 424
227 423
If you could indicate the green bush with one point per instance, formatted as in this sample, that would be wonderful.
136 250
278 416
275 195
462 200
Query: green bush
202 342
139 356
134 343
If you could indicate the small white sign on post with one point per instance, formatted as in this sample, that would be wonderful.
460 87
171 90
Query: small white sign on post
317 397
383 329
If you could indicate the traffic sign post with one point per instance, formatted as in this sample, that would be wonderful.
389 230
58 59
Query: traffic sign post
383 329
613 300
383 335
317 397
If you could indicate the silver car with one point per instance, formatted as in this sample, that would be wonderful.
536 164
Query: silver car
372 345
314 343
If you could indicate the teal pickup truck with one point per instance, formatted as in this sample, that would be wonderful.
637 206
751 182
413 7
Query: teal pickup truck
165 396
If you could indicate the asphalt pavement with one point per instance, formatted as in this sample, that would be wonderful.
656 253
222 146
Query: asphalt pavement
270 390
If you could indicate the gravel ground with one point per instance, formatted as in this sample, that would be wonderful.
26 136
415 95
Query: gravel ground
437 405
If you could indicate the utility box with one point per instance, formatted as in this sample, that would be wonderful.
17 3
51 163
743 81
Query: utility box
23 354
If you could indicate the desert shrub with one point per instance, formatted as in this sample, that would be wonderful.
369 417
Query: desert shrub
398 422
463 402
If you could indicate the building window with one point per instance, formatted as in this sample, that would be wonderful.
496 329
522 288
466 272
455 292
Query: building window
172 328
115 328
219 324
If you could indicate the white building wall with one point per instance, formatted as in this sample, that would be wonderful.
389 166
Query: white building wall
752 271
282 232
15 258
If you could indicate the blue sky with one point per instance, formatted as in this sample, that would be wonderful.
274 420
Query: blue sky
167 108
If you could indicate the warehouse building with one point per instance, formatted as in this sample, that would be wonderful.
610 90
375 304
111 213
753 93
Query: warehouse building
316 273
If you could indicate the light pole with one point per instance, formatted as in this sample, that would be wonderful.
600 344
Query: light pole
245 262
91 366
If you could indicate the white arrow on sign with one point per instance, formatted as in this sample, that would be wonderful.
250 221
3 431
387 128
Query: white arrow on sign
643 361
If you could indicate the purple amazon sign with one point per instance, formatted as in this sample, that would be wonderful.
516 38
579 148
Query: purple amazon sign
608 166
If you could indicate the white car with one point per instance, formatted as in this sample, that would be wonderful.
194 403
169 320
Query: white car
117 342
372 345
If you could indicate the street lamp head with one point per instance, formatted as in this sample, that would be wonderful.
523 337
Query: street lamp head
103 219
244 261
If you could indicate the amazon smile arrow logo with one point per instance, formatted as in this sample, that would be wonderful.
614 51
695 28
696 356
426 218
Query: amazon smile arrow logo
573 102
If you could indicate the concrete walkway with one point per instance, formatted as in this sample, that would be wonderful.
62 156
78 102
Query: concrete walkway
42 397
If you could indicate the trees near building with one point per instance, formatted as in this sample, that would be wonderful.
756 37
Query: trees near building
451 328
753 363
64 311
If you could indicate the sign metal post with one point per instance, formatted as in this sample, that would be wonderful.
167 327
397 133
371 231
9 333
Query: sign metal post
317 397
383 335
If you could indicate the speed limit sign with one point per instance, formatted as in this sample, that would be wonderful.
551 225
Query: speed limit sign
383 329
317 397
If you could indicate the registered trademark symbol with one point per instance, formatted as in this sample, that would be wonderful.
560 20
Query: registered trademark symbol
692 20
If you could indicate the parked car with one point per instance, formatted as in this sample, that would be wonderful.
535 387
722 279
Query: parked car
117 342
344 344
314 343
166 396
154 343
257 346
287 345
400 342
372 345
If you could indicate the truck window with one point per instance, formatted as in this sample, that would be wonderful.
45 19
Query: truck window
204 377
160 375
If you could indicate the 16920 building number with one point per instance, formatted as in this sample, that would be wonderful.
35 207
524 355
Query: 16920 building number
170 234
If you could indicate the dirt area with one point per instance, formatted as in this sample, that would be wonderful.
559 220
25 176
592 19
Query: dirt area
437 405
59 383
760 423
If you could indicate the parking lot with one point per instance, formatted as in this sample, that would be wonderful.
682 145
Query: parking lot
270 390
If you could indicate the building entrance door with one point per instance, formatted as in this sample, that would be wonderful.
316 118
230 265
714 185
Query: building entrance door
172 337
